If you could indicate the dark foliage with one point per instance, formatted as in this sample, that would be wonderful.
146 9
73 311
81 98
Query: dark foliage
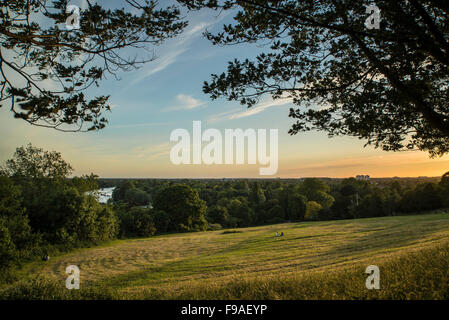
387 86
45 68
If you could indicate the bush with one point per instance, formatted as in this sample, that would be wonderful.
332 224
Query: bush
16 240
68 217
214 227
136 197
218 214
312 210
231 231
276 220
426 196
108 223
43 211
44 289
161 220
184 207
276 213
7 247
137 222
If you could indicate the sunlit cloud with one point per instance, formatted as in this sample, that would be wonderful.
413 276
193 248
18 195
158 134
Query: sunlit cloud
261 107
151 152
222 116
186 102
237 113
137 125
172 51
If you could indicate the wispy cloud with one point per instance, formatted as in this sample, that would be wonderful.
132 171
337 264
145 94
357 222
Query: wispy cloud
173 50
152 152
136 125
237 113
261 107
222 116
160 64
186 102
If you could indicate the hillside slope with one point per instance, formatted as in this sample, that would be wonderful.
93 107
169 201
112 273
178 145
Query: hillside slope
220 264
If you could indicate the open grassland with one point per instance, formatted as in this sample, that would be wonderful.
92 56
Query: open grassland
314 260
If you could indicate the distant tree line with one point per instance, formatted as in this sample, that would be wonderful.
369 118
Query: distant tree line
44 211
183 205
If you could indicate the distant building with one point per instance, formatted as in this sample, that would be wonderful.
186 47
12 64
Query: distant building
362 177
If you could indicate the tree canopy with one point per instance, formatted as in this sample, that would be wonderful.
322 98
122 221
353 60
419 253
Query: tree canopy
184 207
387 86
46 68
41 207
32 162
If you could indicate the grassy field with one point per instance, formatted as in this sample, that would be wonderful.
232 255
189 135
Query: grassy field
314 260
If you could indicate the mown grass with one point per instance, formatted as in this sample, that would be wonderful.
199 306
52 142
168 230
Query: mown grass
314 260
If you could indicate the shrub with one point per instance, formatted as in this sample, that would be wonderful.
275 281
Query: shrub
231 231
218 214
7 247
38 288
136 222
312 210
214 227
184 207
161 220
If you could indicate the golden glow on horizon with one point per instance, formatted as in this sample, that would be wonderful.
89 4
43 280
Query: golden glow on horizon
407 164
310 155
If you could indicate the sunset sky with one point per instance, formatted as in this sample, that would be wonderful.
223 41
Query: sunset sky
166 94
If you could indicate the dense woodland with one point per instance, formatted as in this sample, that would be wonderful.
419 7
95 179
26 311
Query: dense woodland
43 210
231 203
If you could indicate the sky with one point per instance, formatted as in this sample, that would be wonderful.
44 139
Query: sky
166 94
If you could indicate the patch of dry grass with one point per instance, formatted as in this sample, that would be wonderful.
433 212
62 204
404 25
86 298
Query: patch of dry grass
205 265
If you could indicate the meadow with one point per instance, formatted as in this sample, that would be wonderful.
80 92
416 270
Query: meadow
314 260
